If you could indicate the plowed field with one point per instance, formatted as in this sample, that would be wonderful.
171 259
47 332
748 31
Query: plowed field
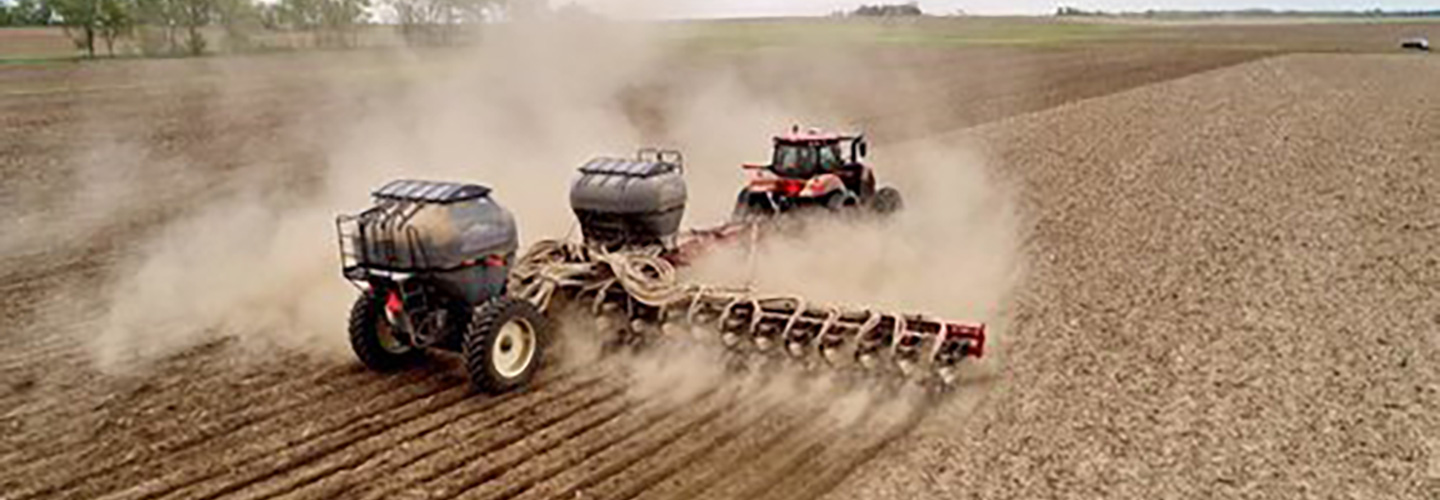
1231 291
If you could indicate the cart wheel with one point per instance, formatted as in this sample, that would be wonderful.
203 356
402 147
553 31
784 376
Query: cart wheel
375 342
504 346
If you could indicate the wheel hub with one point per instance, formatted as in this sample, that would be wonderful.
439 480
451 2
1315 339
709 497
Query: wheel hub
385 336
514 348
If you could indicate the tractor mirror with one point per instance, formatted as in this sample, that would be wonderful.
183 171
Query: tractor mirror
862 149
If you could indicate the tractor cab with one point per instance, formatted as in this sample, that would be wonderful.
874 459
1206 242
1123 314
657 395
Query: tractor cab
802 155
817 169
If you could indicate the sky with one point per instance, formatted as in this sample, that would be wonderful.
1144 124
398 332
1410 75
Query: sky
756 8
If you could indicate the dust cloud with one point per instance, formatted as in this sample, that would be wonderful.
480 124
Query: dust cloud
261 265
953 250
519 114
100 188
836 406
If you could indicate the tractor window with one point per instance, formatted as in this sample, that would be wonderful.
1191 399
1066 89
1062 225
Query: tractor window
794 160
830 158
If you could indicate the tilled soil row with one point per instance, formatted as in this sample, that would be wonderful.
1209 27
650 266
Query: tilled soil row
516 478
623 457
723 462
515 469
116 459
350 471
278 397
821 471
1066 78
453 468
279 467
781 463
674 454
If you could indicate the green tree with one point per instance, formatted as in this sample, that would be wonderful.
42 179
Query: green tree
890 10
272 16
30 13
193 16
241 19
332 22
159 22
25 13
115 20
81 20
299 15
440 21
174 26
339 20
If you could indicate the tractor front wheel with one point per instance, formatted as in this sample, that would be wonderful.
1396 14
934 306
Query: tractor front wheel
841 200
374 340
504 346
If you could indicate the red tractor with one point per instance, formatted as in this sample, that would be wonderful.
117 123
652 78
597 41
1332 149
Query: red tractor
810 169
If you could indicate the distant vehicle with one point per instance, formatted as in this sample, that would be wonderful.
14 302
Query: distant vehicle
810 168
1416 43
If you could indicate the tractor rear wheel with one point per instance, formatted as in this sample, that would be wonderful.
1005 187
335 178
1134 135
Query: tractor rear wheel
374 340
887 201
749 205
504 346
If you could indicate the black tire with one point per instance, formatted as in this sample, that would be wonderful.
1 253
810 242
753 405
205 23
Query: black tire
505 345
746 208
840 201
887 201
373 340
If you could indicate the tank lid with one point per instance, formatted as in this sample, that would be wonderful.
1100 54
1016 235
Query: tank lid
430 191
627 167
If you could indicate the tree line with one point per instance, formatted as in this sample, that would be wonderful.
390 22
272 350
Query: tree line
1066 11
186 27
910 9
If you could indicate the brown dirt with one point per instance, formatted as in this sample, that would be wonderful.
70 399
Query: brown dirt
230 420
1232 294
35 42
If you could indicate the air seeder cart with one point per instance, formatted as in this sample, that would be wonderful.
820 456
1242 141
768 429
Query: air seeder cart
435 263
